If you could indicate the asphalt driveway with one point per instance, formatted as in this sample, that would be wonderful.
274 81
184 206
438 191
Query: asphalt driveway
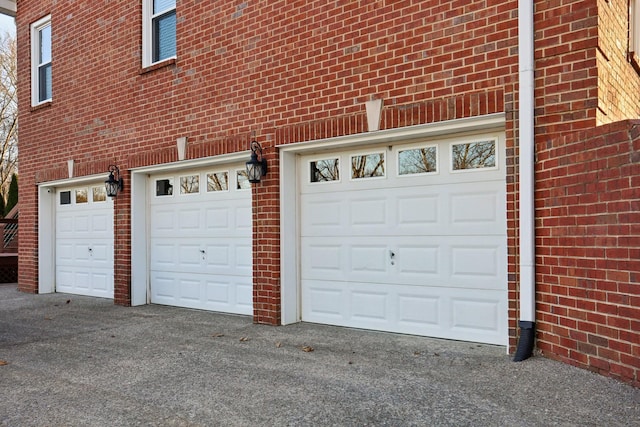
77 361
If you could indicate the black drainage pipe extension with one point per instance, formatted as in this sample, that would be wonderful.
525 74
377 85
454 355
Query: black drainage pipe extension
527 339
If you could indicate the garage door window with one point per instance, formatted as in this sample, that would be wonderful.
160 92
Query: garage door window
473 155
367 166
81 196
417 161
190 184
325 170
164 187
218 181
242 180
99 194
65 197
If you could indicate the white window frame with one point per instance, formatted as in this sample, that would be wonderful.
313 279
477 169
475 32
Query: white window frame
147 34
36 27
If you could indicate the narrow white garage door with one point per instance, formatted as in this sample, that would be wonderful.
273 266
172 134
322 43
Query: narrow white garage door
84 241
409 239
201 240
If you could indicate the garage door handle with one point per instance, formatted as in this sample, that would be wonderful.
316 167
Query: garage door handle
392 257
202 251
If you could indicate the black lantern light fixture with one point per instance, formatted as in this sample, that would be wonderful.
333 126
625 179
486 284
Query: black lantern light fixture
257 166
114 183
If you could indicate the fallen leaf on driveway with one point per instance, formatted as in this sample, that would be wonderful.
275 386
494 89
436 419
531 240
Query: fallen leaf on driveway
68 301
307 349
278 344
3 363
217 335
243 339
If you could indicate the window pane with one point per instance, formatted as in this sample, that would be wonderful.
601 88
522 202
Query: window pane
45 45
325 170
190 184
367 166
164 36
474 155
417 160
99 194
243 180
164 187
162 5
218 181
44 82
65 198
81 196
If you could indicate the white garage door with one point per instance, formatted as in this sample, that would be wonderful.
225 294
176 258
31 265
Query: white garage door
409 239
84 241
201 240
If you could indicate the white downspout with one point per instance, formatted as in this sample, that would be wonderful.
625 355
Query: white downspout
526 180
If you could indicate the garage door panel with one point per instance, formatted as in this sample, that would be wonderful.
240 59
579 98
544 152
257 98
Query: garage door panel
421 261
162 253
218 218
473 315
84 244
369 259
418 211
200 246
219 256
417 249
242 217
325 302
438 312
370 211
189 256
81 224
101 224
243 262
100 283
418 311
188 220
163 219
100 254
369 306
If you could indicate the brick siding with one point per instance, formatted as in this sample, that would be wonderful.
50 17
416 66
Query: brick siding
588 249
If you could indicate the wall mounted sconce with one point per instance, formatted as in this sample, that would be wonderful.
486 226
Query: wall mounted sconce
257 166
114 183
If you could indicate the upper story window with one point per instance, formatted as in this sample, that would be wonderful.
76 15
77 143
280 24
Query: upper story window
41 61
159 31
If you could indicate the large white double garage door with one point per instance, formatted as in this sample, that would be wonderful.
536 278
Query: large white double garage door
200 239
406 238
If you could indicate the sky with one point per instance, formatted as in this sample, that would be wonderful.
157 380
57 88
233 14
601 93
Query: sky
7 24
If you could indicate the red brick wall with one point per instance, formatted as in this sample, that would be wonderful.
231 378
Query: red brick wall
285 72
275 69
566 77
588 249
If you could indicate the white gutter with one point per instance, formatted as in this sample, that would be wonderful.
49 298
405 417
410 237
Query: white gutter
526 179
